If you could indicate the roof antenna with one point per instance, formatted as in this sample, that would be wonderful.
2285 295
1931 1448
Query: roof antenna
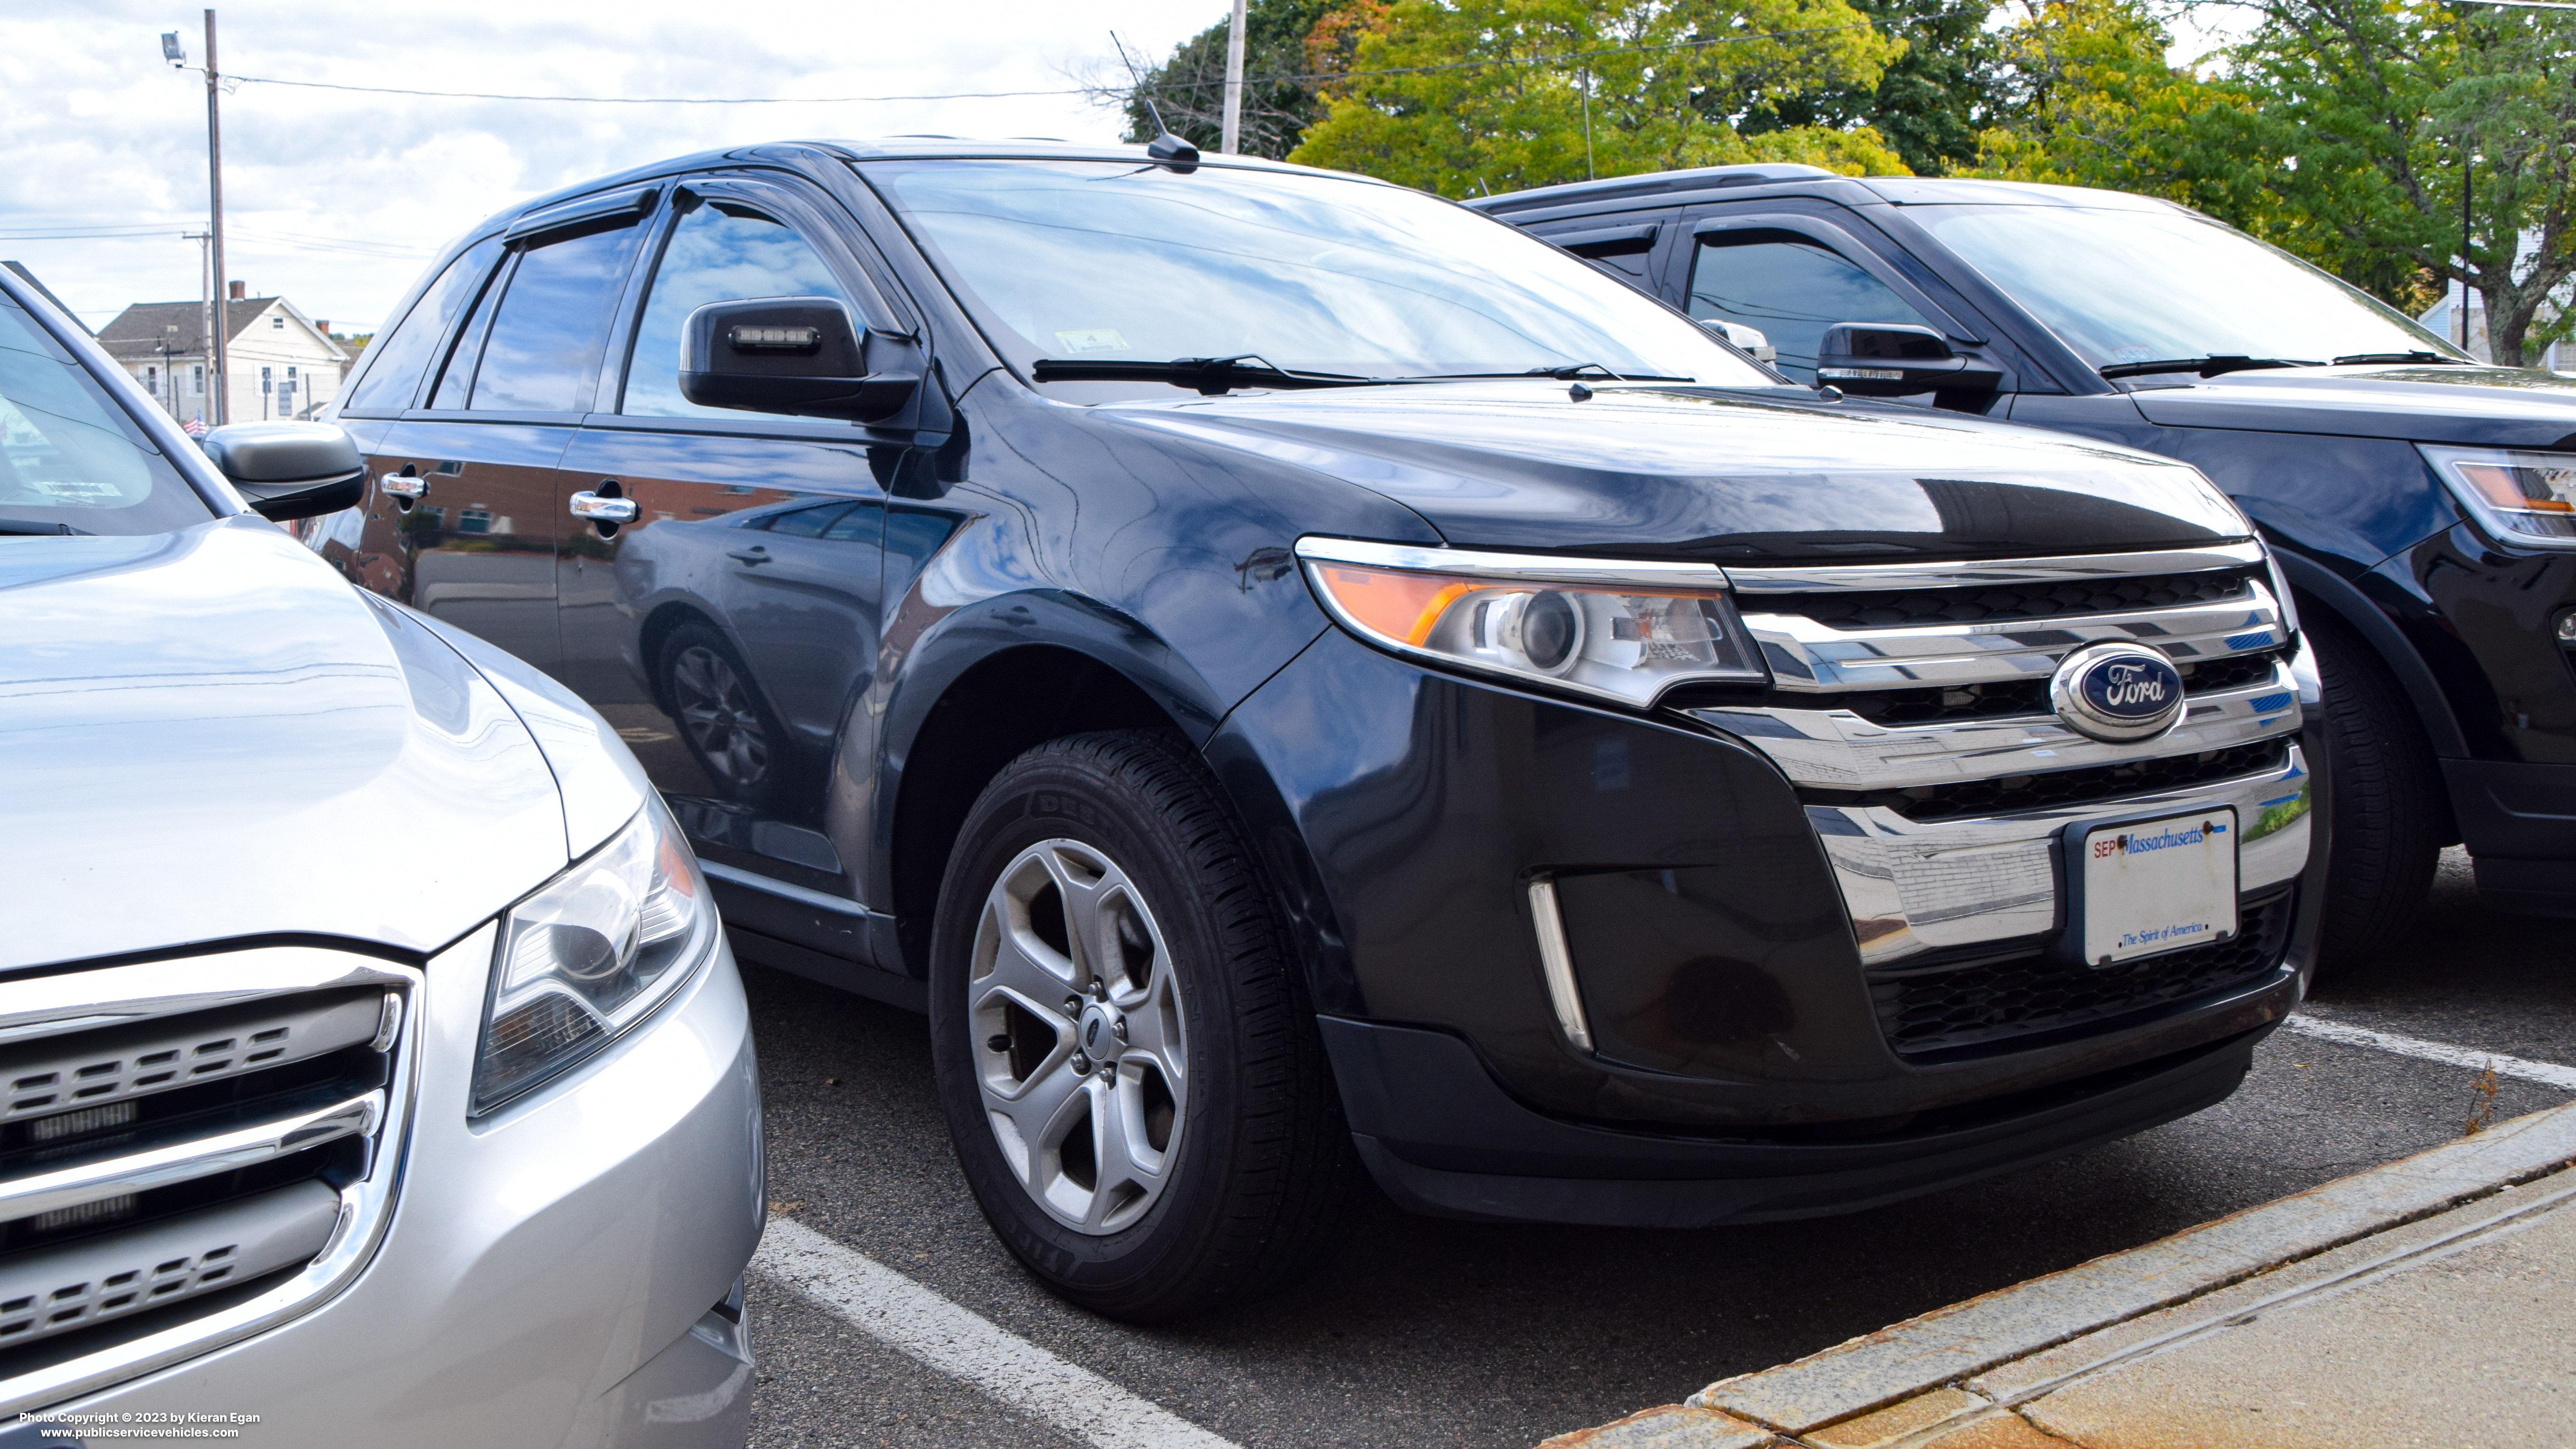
1167 149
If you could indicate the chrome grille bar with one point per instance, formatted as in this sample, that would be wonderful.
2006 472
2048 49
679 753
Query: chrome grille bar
1826 578
188 1160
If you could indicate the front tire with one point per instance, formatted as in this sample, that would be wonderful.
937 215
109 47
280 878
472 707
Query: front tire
1130 1069
2387 805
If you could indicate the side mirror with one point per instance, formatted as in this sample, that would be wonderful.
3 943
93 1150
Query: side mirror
289 470
1892 359
1753 342
796 355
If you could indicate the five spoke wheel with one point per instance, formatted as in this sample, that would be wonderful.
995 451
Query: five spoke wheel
1076 1012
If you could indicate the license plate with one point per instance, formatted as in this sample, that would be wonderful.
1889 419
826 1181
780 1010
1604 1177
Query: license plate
2158 885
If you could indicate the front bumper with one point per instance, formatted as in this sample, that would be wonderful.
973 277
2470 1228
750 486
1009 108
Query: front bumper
1714 936
565 1274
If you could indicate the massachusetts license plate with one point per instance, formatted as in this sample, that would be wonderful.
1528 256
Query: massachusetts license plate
2158 885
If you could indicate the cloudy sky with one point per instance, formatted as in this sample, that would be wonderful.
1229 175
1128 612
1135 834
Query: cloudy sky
337 198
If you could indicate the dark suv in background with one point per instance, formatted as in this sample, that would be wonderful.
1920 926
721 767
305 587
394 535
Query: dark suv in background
2422 504
1294 677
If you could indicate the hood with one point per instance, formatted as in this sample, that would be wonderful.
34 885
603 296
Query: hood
1724 476
209 735
2490 406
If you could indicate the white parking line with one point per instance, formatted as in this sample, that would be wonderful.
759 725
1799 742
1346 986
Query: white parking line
924 1326
2563 1078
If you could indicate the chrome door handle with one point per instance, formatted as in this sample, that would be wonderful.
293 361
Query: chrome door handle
402 485
605 510
753 555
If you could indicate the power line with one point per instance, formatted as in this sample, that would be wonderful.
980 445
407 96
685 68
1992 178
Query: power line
1563 58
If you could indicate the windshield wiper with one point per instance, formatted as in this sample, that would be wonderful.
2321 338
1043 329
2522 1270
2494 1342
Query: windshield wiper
20 527
1210 375
2210 366
2358 357
1559 372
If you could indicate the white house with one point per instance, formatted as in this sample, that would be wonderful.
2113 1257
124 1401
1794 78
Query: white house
283 363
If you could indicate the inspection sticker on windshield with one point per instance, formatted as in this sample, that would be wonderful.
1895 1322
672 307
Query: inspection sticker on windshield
1092 339
2158 885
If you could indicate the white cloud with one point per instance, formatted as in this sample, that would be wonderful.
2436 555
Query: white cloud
102 134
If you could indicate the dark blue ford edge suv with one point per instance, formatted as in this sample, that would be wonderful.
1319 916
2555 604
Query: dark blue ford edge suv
1299 679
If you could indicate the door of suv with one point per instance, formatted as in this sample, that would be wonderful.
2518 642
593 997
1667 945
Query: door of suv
478 455
730 628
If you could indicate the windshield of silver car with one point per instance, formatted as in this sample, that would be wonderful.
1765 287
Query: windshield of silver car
71 462
1269 274
2129 289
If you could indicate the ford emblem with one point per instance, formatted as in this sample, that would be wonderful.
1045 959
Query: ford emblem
2117 692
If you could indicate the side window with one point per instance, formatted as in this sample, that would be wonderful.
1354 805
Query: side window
393 374
456 382
720 252
1789 287
542 355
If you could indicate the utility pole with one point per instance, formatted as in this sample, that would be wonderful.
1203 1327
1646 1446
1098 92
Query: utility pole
1231 145
217 352
205 310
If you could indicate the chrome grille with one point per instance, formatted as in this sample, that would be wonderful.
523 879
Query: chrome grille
1909 708
189 1150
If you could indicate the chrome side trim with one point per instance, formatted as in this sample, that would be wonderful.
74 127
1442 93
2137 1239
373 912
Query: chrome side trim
1912 887
1808 657
125 993
1556 962
1533 568
185 1161
1832 578
1835 749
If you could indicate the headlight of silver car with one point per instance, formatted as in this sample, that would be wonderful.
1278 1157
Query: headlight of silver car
1622 630
593 953
2521 495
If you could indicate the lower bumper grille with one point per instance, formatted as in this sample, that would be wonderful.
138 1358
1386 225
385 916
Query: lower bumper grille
1931 1010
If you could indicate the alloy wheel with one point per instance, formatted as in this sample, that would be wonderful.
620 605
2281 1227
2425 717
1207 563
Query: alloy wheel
1076 1013
716 711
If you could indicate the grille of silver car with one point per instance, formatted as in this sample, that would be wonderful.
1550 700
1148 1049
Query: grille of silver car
182 1144
1909 707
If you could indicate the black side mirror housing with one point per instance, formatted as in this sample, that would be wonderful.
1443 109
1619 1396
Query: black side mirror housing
797 355
1892 359
289 470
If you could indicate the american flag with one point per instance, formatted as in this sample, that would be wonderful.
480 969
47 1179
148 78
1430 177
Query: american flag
194 427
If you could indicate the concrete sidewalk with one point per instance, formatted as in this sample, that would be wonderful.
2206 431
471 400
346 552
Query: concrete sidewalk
2428 1302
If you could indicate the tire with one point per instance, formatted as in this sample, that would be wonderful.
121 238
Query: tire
1209 1163
2386 837
728 728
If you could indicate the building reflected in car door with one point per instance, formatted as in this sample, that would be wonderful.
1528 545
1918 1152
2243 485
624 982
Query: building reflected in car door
479 540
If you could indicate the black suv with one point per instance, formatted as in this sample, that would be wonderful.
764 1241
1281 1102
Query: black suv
1295 676
2422 504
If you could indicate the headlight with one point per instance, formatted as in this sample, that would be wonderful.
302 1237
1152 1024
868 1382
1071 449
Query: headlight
1622 630
2521 496
590 955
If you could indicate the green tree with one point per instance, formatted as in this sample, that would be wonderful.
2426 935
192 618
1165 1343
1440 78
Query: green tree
1279 97
1467 96
2086 98
2381 109
1931 103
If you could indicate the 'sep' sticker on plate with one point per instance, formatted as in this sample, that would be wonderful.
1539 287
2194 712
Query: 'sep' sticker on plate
2159 885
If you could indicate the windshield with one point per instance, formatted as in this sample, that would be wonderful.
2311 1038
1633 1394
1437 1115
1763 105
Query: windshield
71 462
1101 262
2126 287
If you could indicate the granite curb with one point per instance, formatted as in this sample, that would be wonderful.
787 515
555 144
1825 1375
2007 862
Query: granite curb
1895 1384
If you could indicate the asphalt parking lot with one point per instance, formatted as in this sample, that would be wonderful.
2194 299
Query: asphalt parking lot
1427 1332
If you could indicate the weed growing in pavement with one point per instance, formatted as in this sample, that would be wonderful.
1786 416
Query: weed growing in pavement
2482 1089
